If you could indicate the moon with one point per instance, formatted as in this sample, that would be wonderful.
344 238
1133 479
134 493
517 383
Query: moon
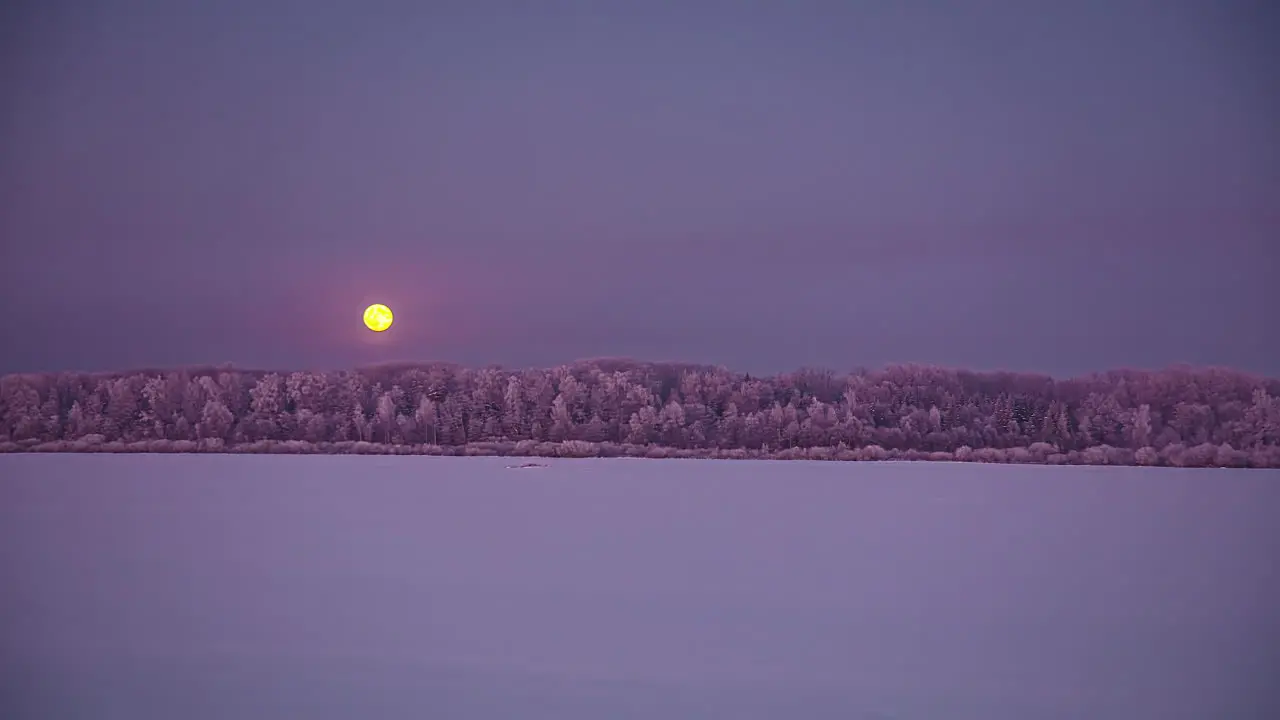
377 317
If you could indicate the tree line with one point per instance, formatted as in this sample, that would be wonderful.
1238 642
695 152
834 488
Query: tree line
1186 417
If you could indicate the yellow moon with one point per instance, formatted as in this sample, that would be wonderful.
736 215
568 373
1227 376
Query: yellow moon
377 317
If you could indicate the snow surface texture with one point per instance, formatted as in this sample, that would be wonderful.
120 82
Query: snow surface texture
219 586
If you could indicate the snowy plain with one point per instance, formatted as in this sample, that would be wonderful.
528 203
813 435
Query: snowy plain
239 586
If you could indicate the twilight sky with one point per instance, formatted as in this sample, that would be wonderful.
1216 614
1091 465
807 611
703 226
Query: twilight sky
1047 186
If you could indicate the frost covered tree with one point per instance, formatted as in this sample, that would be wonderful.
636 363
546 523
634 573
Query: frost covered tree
1179 416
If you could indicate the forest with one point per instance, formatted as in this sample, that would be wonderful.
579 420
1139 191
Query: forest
1180 417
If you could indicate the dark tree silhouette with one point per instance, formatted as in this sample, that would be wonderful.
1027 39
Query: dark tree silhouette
1181 416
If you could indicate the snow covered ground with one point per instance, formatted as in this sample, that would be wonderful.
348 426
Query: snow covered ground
239 586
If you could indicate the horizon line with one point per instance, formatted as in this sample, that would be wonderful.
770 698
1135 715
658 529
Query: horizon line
228 366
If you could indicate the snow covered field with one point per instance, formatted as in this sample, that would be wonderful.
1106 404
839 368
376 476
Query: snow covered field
240 586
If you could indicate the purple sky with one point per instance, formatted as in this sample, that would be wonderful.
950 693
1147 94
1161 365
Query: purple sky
1046 186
